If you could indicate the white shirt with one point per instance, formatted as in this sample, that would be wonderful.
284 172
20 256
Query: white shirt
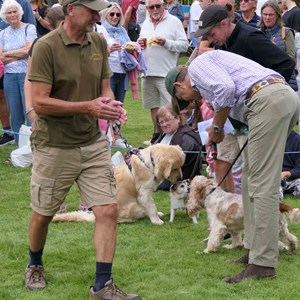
195 13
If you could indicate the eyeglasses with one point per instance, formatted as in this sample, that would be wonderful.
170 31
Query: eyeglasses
112 14
165 122
269 15
228 7
157 6
245 1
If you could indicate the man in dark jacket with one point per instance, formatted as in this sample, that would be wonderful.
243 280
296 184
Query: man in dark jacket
243 40
290 175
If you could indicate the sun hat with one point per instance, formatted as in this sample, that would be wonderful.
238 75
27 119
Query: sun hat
209 18
96 5
170 79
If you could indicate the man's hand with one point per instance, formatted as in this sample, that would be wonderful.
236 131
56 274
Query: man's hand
107 109
214 137
285 174
159 40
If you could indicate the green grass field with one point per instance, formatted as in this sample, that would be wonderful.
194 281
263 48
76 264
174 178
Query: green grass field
158 262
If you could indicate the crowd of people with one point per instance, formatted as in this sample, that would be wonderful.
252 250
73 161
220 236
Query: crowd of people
63 72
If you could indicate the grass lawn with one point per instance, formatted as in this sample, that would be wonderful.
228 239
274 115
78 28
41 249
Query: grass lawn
158 262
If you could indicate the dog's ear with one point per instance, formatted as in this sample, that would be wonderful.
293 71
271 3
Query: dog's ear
173 186
164 168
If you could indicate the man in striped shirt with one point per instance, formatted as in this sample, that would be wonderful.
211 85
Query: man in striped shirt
259 97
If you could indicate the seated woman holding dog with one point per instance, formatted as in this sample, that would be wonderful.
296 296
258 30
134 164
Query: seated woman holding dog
173 132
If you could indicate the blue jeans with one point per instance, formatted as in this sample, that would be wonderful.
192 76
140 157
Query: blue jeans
117 84
14 93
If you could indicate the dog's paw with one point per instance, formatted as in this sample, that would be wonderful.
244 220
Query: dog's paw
228 246
160 214
206 251
158 222
195 221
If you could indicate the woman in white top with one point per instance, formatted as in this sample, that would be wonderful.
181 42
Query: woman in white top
15 42
112 19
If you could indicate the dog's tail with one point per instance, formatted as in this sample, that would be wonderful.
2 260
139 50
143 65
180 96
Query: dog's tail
75 216
294 213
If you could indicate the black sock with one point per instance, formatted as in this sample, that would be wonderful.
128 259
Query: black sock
36 257
103 274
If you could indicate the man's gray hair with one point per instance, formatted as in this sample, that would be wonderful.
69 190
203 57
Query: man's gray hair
147 2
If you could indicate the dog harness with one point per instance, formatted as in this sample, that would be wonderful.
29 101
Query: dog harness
137 152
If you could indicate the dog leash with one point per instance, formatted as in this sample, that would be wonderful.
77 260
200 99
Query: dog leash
229 169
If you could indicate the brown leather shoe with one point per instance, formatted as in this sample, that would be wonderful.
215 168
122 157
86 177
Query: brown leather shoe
252 272
112 292
242 260
35 278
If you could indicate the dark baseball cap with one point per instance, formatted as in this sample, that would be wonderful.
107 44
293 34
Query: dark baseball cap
96 5
170 79
209 18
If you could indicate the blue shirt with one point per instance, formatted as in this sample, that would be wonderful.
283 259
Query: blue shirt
176 10
27 17
253 22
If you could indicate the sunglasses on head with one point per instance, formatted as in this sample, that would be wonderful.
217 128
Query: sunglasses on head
157 6
112 14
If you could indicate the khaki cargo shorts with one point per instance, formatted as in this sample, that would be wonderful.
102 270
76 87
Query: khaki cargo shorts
230 147
55 170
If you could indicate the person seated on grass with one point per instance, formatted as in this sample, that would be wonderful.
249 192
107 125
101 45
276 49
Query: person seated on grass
290 175
175 133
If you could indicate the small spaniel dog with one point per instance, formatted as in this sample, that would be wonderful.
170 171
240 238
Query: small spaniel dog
225 215
179 192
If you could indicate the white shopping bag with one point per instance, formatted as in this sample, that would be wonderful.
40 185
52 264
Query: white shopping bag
22 157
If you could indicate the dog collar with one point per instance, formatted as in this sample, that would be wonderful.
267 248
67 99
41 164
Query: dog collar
137 152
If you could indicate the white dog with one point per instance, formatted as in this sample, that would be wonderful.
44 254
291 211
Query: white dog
225 214
178 198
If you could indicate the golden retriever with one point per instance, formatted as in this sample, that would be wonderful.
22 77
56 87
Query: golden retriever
225 214
136 183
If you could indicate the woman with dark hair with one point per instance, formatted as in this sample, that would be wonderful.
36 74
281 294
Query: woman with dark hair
39 8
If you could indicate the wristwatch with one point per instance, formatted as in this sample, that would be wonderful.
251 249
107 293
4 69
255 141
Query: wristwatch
217 129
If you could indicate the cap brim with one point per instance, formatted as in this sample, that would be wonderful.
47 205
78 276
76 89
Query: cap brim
203 31
97 5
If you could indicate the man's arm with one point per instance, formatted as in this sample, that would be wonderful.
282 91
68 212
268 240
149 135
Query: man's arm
178 42
127 16
101 107
219 121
